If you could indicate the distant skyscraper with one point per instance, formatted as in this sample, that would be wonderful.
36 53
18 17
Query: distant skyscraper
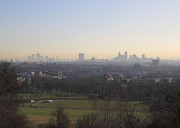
38 57
119 54
46 58
134 57
125 55
143 58
32 58
81 56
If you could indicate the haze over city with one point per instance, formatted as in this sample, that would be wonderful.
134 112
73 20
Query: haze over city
89 64
97 28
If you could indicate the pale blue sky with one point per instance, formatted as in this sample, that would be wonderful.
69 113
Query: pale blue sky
99 28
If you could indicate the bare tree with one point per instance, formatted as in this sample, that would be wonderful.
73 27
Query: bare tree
58 119
9 117
165 107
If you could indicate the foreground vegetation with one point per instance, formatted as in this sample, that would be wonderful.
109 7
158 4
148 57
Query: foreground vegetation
74 109
78 110
110 105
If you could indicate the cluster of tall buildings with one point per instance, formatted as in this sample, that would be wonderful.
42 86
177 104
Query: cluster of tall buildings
81 58
39 58
125 58
134 57
121 57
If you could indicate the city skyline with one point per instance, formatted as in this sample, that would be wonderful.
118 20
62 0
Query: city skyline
97 28
37 57
119 54
87 56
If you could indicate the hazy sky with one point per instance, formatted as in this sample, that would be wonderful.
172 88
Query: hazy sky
99 28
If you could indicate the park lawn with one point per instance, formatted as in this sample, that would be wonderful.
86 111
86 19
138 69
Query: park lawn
43 114
74 109
69 104
35 111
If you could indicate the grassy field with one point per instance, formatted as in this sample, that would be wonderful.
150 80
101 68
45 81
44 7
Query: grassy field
74 109
43 114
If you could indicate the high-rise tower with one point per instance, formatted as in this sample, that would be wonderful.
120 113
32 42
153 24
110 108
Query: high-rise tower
81 56
125 55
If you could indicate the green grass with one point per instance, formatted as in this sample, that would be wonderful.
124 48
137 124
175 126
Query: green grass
69 104
43 114
36 111
74 109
